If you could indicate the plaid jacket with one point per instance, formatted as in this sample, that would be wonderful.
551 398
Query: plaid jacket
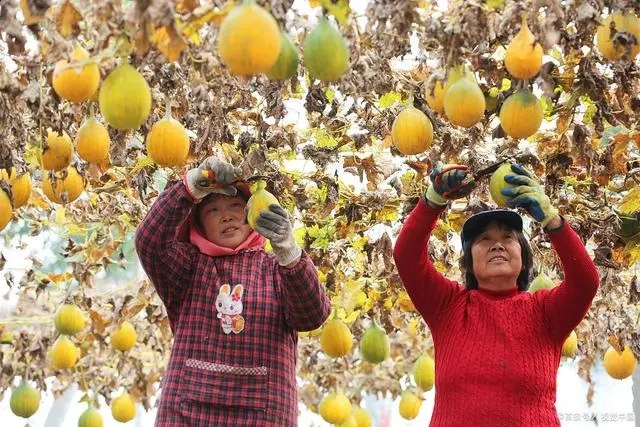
233 365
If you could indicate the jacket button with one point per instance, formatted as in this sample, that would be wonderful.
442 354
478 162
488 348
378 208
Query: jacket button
206 337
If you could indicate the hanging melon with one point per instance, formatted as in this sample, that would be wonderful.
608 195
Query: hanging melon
69 319
424 372
93 141
79 82
167 141
434 95
20 186
249 40
523 57
286 66
125 98
123 408
336 339
6 209
25 400
374 344
464 103
412 131
619 365
335 408
64 353
69 185
259 201
90 418
623 42
57 152
521 114
326 55
409 405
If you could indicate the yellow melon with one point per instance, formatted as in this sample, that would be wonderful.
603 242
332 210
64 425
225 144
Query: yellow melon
570 345
259 201
167 141
57 152
336 339
521 114
20 186
123 408
69 186
6 210
77 83
424 372
409 405
523 57
64 353
497 184
93 141
69 319
125 98
124 337
619 365
335 408
412 131
625 44
464 103
249 40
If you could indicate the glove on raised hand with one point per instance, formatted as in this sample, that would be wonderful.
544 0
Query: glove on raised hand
447 183
275 225
224 172
529 195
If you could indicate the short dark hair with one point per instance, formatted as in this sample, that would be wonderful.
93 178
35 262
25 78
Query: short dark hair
524 278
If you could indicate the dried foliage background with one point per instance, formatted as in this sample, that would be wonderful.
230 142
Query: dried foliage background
580 155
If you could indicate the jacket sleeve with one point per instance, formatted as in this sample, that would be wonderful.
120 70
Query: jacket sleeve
430 292
305 304
566 305
167 261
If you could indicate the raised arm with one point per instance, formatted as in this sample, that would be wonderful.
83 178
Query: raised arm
429 290
167 262
304 302
567 304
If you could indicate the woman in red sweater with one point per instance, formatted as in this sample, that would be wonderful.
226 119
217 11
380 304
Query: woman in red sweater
497 347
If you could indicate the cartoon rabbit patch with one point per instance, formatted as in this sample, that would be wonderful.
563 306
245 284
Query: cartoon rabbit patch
229 307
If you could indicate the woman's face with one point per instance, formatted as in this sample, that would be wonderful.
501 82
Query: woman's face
222 219
496 254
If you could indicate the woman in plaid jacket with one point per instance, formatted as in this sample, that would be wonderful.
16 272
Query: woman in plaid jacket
234 309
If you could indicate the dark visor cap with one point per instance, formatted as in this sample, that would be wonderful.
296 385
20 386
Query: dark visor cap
477 223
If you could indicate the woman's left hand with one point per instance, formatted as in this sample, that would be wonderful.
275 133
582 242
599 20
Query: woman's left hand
275 225
529 195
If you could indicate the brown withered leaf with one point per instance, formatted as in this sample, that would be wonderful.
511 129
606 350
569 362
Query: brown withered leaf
168 41
34 10
186 6
97 322
67 19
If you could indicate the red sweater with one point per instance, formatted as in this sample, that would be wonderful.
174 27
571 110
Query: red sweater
496 356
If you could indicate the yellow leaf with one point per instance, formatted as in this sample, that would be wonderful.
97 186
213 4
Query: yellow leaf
168 42
143 162
388 303
213 16
314 3
632 253
631 202
67 19
61 217
352 317
32 16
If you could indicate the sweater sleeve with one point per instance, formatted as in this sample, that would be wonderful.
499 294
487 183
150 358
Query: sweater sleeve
167 261
429 290
567 304
305 304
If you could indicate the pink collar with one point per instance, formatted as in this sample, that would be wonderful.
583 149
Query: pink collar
254 241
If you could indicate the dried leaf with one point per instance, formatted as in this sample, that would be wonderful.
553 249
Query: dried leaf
168 42
67 19
34 11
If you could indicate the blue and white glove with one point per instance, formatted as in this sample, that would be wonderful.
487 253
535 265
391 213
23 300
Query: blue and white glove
448 183
529 195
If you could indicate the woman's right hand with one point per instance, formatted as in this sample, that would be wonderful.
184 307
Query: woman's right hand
448 182
224 172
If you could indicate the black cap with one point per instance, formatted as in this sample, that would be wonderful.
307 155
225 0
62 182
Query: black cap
475 224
